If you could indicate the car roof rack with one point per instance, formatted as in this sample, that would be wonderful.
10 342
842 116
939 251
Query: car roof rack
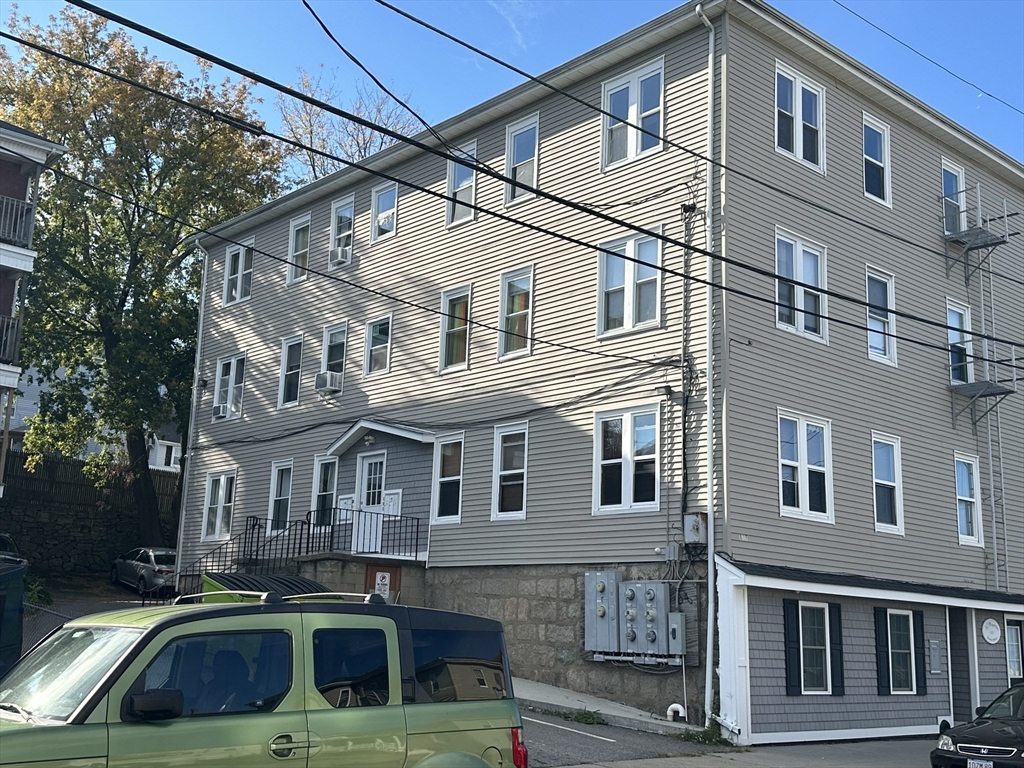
360 597
198 597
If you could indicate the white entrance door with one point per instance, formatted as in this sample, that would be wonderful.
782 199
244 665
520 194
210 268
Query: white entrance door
368 523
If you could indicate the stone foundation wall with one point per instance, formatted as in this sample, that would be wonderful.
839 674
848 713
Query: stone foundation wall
347 573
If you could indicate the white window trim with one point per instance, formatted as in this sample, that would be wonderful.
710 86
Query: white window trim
318 461
376 193
216 388
799 243
627 413
382 454
467 291
513 129
294 276
1007 618
978 539
328 330
506 278
828 648
968 343
367 336
882 128
240 250
159 449
629 309
803 512
220 503
955 168
913 661
633 135
285 344
499 431
469 150
890 280
274 467
345 202
799 81
435 494
898 467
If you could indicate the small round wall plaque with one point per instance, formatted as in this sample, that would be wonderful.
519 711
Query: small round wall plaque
991 632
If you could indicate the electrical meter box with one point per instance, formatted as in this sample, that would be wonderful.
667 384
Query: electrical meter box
644 620
601 625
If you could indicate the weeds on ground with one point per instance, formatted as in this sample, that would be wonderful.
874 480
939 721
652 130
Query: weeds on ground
36 591
585 716
711 735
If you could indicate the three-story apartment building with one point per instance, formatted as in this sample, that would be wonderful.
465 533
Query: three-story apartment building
725 308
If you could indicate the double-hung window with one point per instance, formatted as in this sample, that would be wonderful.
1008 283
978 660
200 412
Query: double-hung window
881 296
516 313
238 272
813 644
332 358
325 488
280 495
901 652
462 187
508 495
634 101
968 503
448 480
954 198
220 500
377 352
298 248
629 285
958 335
877 177
455 330
384 213
521 158
626 460
805 467
800 308
888 483
799 117
291 372
227 398
814 648
342 221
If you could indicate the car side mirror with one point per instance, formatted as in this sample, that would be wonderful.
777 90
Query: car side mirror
980 711
158 704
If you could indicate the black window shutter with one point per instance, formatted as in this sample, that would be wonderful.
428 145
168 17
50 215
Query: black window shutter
919 660
835 632
791 625
882 650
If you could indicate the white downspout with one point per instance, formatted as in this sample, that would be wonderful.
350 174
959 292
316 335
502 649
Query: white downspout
709 218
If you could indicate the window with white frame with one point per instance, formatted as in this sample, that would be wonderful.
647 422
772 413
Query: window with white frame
800 309
377 351
799 117
814 648
876 160
220 500
335 344
629 283
968 503
227 397
462 187
342 225
954 198
448 479
902 677
238 272
508 493
325 489
635 99
626 460
384 212
298 248
164 454
805 467
958 335
291 372
1014 650
521 142
516 312
280 495
455 329
881 296
888 483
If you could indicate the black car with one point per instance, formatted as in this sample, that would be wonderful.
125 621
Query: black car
994 739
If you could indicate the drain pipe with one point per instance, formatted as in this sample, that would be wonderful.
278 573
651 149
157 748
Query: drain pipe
674 710
709 218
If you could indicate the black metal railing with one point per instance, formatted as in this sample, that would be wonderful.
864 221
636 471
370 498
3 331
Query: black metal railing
15 221
364 532
9 339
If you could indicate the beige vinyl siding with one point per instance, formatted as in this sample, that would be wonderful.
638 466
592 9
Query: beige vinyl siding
769 368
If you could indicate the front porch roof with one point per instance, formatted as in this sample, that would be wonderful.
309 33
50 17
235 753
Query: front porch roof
355 433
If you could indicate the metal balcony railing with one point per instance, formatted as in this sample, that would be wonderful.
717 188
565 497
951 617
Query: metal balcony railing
9 340
15 221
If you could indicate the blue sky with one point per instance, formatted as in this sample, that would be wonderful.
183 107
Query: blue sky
981 40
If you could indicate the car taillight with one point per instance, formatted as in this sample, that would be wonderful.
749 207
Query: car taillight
520 755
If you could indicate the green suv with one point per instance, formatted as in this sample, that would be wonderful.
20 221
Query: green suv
304 681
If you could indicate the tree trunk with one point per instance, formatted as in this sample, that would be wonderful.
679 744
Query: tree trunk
150 532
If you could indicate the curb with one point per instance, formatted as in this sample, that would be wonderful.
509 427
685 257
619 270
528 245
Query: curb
660 727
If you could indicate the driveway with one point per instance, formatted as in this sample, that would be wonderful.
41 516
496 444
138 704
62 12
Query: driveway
71 599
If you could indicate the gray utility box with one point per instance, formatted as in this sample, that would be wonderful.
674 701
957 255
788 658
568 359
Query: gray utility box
676 634
643 627
601 622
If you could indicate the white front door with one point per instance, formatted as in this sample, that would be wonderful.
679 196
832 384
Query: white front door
367 526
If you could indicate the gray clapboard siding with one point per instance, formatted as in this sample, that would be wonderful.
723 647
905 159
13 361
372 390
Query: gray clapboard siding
993 674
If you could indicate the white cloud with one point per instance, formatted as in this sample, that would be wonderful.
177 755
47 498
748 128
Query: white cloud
517 14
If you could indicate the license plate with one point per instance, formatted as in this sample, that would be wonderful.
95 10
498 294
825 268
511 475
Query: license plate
972 763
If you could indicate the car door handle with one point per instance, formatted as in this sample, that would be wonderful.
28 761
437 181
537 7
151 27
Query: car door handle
286 746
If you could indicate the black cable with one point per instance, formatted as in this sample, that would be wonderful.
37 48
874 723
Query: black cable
487 171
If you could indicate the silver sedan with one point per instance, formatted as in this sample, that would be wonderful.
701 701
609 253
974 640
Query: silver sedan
149 570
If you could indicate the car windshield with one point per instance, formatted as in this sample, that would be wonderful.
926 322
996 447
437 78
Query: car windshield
164 558
54 680
1009 706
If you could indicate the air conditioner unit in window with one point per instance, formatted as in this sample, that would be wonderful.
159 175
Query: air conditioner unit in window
338 256
220 411
328 381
